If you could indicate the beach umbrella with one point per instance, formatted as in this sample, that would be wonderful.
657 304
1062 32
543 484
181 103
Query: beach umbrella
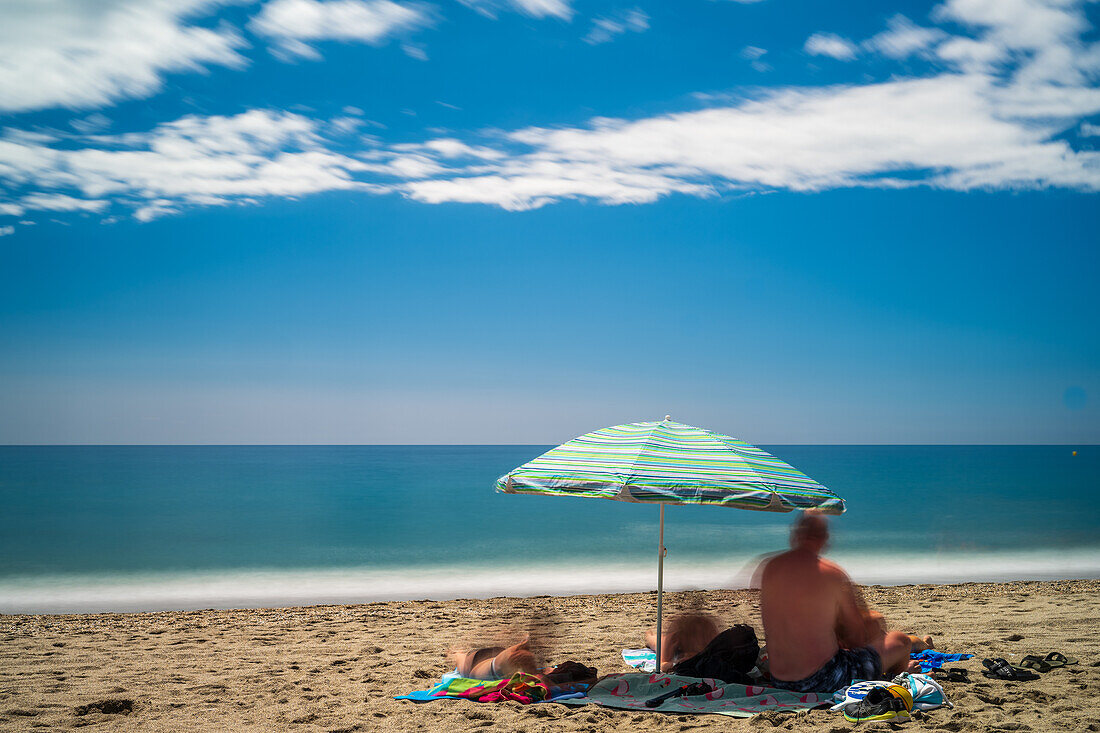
667 462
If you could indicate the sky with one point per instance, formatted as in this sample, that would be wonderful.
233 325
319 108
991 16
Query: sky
515 221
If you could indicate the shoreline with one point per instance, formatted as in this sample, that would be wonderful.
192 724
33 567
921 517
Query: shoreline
275 588
336 667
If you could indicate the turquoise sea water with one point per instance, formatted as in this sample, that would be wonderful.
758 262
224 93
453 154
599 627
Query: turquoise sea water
90 528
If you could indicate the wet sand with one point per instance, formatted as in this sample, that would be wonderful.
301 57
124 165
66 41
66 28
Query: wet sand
336 668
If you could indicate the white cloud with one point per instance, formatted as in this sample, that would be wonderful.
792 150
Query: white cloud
996 125
1046 33
605 28
952 131
1088 130
755 55
561 9
61 202
94 122
11 209
293 23
903 38
832 45
194 161
5 231
79 54
414 52
154 210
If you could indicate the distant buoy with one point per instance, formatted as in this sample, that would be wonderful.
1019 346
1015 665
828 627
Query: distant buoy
1074 452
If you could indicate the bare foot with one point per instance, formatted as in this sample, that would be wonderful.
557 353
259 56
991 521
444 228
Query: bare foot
919 644
913 667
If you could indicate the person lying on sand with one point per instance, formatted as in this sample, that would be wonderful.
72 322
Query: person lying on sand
495 663
820 634
498 663
682 637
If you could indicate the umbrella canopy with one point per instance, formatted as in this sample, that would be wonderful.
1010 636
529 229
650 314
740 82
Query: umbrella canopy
668 462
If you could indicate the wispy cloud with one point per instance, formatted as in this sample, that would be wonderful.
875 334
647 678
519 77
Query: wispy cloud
605 28
6 230
832 45
78 54
755 56
562 9
903 38
61 202
194 161
294 24
999 125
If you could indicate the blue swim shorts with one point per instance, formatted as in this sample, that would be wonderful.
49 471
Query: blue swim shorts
846 665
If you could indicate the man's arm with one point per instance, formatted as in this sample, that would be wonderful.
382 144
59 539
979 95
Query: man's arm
852 614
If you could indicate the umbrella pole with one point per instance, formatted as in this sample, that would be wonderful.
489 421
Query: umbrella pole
660 580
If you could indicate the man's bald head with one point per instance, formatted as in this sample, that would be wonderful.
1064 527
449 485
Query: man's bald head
810 532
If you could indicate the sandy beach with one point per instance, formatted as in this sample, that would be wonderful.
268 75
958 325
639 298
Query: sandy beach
336 668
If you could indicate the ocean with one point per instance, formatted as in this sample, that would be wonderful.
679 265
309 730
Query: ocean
126 528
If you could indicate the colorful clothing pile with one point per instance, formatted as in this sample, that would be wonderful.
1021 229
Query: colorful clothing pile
520 687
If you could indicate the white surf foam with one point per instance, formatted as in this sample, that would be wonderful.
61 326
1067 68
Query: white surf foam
278 588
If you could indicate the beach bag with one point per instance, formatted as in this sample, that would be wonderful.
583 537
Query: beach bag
728 657
926 692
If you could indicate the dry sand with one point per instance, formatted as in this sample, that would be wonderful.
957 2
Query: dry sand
336 668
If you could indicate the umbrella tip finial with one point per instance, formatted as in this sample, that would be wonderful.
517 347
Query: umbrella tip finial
668 417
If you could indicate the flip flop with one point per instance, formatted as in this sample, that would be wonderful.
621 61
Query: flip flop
1038 664
955 674
999 669
1057 659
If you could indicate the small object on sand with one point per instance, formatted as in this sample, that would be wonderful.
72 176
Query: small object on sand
107 707
954 674
1037 663
998 668
1057 659
695 688
885 702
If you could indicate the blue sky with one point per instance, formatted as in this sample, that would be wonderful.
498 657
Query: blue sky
491 221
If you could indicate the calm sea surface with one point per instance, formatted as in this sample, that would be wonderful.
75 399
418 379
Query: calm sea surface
88 528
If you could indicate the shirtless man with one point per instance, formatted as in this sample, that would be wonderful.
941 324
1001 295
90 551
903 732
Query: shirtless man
819 633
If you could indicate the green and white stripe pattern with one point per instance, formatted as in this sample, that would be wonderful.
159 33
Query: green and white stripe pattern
672 463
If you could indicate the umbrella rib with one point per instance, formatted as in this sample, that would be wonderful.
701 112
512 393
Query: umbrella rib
637 457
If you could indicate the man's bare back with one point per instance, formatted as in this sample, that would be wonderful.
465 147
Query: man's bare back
811 611
804 600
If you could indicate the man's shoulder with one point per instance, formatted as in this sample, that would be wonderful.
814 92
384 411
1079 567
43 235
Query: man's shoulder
831 569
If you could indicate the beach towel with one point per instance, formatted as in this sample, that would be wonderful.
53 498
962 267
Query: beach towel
631 689
931 659
520 687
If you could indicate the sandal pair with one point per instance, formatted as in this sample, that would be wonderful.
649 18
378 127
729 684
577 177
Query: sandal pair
955 674
1047 663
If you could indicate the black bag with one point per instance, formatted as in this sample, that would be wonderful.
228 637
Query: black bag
728 657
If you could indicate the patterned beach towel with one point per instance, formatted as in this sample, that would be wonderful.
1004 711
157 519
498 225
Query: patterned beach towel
632 689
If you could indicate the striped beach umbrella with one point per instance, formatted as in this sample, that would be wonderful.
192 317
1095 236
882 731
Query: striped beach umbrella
667 462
